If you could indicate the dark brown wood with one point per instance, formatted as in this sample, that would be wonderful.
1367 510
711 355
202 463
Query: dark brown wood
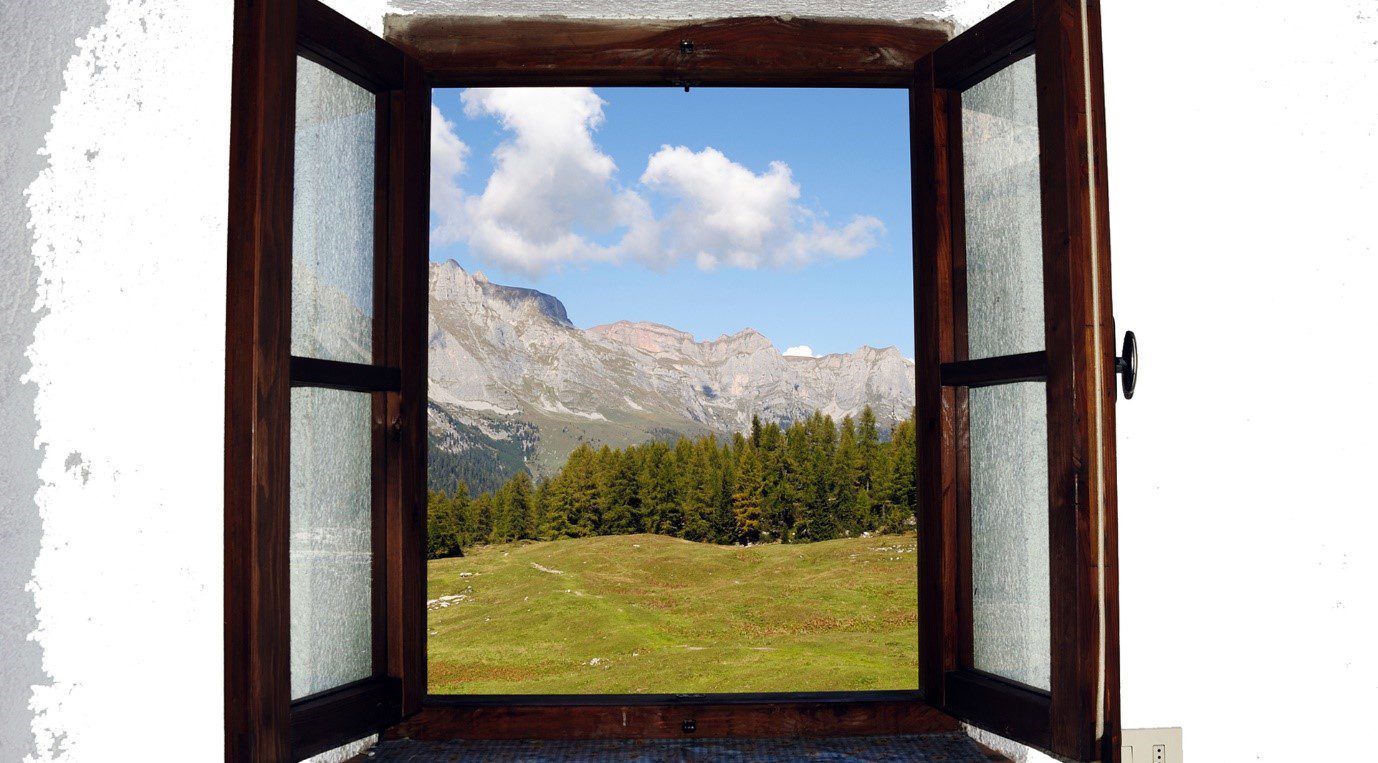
330 39
262 724
328 720
409 270
1078 719
961 415
760 51
384 332
1005 369
395 378
663 716
1006 708
257 338
334 374
995 42
1109 510
935 404
1080 347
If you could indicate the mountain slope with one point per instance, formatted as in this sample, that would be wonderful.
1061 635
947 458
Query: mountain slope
501 355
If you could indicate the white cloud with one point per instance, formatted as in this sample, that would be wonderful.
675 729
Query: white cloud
799 351
725 214
551 186
553 193
448 155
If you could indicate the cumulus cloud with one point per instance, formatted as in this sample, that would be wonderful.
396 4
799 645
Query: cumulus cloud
553 196
725 214
551 186
799 351
448 157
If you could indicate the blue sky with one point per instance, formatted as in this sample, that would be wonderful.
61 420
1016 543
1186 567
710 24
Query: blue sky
797 223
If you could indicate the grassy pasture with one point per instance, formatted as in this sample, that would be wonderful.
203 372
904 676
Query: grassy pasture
650 614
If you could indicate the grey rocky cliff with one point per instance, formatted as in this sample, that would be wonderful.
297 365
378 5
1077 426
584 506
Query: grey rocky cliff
500 351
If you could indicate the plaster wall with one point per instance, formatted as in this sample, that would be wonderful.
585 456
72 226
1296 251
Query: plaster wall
1242 178
119 176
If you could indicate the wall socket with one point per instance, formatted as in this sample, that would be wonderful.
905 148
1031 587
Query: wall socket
1151 745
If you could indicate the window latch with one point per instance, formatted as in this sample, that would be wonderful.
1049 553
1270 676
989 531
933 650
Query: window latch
397 429
1127 365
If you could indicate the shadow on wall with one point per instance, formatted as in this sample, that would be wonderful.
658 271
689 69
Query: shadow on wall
39 38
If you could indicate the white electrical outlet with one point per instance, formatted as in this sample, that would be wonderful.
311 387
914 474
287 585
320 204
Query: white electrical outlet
1151 745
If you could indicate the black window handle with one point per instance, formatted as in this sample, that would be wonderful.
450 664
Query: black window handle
1127 365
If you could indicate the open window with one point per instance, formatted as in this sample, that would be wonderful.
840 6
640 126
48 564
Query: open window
325 383
1016 380
326 369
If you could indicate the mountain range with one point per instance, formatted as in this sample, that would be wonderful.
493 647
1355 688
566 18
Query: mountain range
515 384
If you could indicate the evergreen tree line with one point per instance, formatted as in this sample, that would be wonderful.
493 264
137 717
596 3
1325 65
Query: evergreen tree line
811 481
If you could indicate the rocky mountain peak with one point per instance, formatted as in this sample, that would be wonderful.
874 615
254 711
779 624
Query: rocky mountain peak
451 283
503 353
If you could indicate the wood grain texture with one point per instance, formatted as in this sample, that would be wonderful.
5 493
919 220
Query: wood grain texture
1078 719
1111 736
336 717
935 404
396 378
409 258
1005 708
664 716
261 721
257 341
758 51
329 38
960 452
1080 344
991 44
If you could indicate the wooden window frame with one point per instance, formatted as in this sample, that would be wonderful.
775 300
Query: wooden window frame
1079 717
737 52
261 722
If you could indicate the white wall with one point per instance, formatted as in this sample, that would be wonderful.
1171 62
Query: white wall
127 248
37 39
1243 175
1244 179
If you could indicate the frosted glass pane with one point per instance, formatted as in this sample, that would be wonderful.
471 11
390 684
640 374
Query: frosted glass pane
331 548
1009 531
332 217
1004 239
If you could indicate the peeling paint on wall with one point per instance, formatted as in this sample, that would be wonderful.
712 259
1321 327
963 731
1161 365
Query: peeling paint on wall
128 224
37 39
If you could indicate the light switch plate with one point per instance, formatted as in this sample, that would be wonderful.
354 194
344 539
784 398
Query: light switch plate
1151 745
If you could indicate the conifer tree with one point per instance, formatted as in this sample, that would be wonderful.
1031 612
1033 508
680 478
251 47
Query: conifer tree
618 485
444 523
481 517
656 486
512 509
775 516
813 480
580 473
749 488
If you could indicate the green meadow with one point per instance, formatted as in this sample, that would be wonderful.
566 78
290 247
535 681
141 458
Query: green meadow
629 614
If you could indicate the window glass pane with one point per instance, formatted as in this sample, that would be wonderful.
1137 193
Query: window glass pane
1004 241
331 549
332 217
1009 531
